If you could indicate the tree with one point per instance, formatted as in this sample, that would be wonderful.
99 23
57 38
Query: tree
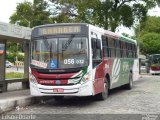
150 43
28 14
152 24
148 33
108 14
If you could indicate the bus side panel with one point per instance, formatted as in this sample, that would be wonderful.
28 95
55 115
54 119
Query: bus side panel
119 70
99 78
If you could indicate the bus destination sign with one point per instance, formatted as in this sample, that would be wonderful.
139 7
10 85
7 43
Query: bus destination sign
59 30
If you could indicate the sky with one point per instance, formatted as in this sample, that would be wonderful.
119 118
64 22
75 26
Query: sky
8 7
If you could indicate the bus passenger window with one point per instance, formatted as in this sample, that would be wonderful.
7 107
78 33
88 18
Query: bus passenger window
105 46
117 48
104 41
111 45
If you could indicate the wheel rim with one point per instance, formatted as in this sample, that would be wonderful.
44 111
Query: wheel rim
131 80
105 93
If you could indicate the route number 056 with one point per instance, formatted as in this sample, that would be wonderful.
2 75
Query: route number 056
69 61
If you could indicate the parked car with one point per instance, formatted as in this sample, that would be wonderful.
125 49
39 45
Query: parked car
143 67
9 64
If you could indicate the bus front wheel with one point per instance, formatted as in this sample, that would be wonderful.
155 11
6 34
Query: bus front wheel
103 95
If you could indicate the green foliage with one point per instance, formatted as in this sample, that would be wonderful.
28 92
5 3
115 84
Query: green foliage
151 25
107 13
12 75
11 57
150 43
13 50
12 47
20 57
148 33
28 14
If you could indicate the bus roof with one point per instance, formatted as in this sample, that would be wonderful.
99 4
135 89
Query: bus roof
107 32
124 38
113 34
154 54
60 24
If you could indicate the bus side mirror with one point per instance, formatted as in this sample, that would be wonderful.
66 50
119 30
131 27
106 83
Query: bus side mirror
98 44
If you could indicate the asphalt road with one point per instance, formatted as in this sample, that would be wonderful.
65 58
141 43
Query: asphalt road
143 101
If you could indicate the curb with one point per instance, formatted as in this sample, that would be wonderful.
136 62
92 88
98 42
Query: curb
11 104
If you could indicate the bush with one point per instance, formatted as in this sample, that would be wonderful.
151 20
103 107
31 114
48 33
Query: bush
20 57
11 57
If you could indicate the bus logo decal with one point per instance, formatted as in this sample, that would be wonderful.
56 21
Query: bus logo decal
116 70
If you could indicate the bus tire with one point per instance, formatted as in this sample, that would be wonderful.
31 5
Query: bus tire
104 95
58 98
129 86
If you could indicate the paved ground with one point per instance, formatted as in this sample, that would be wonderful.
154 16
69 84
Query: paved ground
143 98
143 102
14 94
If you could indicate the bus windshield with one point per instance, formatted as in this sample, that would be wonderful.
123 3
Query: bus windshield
155 59
55 53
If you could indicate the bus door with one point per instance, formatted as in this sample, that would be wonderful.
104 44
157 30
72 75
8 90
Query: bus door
98 73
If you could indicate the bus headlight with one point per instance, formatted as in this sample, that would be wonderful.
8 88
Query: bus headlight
86 77
32 79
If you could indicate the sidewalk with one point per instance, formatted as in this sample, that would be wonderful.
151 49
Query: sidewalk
20 98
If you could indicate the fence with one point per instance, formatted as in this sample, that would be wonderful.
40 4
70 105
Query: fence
19 64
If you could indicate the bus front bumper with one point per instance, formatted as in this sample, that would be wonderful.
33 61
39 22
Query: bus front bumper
154 72
74 90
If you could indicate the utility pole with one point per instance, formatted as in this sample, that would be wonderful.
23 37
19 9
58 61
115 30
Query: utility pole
138 47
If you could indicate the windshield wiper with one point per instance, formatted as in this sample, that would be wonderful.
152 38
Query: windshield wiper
46 43
50 51
65 46
48 46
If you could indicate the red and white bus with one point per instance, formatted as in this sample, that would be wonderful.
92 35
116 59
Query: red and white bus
153 64
77 59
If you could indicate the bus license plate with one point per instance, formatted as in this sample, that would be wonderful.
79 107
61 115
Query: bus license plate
58 90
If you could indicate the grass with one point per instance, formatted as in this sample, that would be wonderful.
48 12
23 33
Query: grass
12 75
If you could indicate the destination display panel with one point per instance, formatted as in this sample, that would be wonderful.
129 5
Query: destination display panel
60 30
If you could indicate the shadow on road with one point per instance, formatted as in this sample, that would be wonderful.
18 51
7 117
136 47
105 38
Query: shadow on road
71 102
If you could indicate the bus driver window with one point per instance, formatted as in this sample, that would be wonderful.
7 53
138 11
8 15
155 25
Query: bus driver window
96 52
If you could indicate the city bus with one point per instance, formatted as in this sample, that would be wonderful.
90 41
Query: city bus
153 66
78 59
